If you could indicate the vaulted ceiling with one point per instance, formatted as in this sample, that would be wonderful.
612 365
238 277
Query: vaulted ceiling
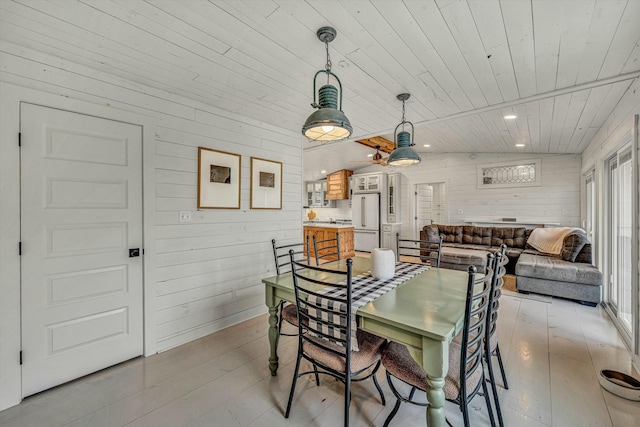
560 66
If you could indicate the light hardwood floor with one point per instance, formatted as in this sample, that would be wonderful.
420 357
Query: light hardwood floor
553 352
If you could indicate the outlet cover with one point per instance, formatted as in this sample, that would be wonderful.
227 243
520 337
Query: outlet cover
185 216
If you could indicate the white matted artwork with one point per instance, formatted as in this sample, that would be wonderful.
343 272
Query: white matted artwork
218 179
266 184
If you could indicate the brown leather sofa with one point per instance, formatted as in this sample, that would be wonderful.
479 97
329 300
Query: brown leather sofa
568 275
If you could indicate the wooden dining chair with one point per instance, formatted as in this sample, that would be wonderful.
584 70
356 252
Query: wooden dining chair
327 344
466 373
429 251
282 259
491 346
327 249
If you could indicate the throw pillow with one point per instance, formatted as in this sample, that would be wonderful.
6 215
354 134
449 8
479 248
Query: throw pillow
585 254
573 244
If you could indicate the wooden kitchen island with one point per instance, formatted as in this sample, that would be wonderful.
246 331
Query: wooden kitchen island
324 231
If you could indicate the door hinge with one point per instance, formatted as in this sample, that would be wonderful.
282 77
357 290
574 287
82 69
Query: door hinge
19 248
21 357
19 139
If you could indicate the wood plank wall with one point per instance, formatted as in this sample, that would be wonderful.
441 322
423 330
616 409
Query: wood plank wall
560 190
618 124
208 270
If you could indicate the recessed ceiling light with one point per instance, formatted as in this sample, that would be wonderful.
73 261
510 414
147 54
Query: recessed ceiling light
323 171
519 145
426 145
369 155
510 116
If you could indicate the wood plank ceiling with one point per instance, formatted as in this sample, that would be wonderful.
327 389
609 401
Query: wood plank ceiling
560 66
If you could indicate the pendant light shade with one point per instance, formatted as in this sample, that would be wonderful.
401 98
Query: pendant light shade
403 154
329 123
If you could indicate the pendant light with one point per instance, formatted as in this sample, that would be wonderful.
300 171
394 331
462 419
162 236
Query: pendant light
403 154
328 123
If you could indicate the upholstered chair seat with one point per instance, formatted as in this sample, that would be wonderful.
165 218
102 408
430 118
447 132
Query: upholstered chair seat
398 361
368 353
290 314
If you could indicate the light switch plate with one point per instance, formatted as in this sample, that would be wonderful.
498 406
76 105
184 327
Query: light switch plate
185 216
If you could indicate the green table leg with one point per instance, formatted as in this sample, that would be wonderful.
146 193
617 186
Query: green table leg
273 330
435 362
435 397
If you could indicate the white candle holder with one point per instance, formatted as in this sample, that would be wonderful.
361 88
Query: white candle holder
383 263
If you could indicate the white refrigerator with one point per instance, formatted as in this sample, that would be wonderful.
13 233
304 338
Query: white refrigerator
366 221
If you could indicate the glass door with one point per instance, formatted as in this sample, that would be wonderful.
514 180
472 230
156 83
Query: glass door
360 183
619 168
391 198
310 200
373 183
318 195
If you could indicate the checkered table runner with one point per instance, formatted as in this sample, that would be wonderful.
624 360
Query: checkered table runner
364 288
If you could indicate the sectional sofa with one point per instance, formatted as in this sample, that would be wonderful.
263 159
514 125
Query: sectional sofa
570 274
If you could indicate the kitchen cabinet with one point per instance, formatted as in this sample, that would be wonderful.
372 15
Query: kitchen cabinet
327 231
317 195
389 235
338 185
368 182
394 181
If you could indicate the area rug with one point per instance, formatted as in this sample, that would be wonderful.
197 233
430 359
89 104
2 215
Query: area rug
509 289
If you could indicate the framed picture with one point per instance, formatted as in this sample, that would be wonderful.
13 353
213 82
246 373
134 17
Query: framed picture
266 184
218 179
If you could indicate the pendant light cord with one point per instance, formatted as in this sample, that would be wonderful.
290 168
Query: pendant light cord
403 120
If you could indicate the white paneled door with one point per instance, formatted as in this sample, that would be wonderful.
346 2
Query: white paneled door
424 207
430 205
81 209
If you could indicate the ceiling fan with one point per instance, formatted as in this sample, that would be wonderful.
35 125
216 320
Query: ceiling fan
377 158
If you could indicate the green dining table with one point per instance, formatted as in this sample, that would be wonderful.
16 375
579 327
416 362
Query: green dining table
424 313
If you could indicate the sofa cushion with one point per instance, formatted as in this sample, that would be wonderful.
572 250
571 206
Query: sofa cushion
451 233
554 268
573 244
575 291
430 233
476 235
455 245
470 246
513 252
463 258
513 237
